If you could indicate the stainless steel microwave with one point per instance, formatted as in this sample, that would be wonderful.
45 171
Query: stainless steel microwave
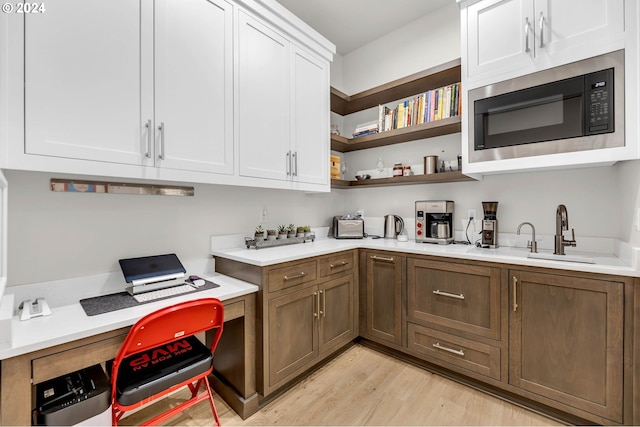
573 107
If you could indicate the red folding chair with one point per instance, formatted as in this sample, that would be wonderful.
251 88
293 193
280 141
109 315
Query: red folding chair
162 354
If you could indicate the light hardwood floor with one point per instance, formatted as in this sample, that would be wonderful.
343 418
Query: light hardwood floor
364 387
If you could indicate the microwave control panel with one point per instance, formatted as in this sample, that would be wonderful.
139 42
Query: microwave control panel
599 93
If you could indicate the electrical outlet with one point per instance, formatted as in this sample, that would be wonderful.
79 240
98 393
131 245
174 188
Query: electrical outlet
471 214
360 213
263 214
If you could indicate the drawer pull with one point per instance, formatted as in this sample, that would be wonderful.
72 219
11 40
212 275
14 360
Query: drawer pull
380 258
297 276
448 294
450 350
342 264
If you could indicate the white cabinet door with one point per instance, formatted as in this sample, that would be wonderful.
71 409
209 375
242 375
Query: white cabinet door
3 233
194 85
263 101
309 118
499 36
575 29
83 81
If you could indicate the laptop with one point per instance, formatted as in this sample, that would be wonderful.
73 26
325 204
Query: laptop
151 273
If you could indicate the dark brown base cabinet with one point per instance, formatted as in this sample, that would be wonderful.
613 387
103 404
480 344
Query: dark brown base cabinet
566 340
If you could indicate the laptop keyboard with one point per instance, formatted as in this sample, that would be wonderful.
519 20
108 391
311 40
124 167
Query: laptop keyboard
163 293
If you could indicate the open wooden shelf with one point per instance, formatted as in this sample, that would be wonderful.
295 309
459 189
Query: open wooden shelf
434 77
396 136
402 180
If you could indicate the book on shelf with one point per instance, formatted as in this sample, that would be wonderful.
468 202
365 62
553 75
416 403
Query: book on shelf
435 104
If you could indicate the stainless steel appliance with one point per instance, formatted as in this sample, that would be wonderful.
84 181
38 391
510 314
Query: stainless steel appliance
347 227
393 226
574 107
489 225
434 221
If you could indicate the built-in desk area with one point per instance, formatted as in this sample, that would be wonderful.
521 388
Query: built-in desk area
42 348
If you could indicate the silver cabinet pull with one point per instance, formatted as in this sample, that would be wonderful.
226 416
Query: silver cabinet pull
541 29
343 263
450 350
147 154
316 305
161 151
288 163
294 157
380 258
323 310
297 276
448 294
515 289
527 26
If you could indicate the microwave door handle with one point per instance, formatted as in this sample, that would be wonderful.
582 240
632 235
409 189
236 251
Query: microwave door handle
527 26
541 29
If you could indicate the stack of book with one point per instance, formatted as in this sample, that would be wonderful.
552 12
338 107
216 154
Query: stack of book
366 129
432 105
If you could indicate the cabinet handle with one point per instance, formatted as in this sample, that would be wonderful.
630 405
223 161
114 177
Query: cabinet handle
448 294
161 151
316 305
297 276
527 26
541 29
323 310
380 258
295 163
450 350
515 289
288 163
147 154
343 263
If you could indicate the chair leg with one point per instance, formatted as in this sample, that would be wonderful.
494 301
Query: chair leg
213 405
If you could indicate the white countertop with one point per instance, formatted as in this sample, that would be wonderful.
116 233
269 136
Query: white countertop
604 263
69 322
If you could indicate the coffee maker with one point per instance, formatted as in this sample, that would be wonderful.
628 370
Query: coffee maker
434 221
489 225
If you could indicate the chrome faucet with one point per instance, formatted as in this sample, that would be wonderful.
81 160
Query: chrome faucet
533 245
562 224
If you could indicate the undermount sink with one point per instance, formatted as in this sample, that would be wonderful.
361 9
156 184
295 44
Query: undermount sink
568 258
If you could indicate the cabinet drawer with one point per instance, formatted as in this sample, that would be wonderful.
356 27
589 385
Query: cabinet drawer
470 355
292 275
337 264
464 297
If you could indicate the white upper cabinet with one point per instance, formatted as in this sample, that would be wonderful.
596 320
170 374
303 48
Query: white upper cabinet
193 48
82 88
285 138
3 233
506 38
263 101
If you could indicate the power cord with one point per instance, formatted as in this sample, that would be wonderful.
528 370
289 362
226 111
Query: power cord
466 232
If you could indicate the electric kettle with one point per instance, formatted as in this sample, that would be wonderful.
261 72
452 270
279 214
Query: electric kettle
393 225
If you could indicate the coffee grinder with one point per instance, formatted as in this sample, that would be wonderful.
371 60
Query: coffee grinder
490 225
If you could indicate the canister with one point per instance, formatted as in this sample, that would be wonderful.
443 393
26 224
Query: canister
430 164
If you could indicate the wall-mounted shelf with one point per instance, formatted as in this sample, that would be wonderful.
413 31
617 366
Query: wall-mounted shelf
396 136
402 180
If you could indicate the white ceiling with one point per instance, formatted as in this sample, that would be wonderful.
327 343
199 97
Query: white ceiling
350 24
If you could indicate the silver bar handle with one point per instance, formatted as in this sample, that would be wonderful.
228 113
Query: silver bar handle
541 29
295 163
448 294
147 154
323 310
288 163
161 151
515 289
380 258
297 276
527 27
342 264
450 350
316 303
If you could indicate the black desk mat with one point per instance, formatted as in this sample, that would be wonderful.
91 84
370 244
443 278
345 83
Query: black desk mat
121 300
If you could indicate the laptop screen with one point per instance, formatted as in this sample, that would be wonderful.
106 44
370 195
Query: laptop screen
150 266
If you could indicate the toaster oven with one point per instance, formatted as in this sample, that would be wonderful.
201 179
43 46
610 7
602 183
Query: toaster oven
348 228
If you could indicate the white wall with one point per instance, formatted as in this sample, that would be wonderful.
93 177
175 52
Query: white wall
62 235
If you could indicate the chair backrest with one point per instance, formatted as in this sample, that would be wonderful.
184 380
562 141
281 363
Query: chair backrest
171 323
